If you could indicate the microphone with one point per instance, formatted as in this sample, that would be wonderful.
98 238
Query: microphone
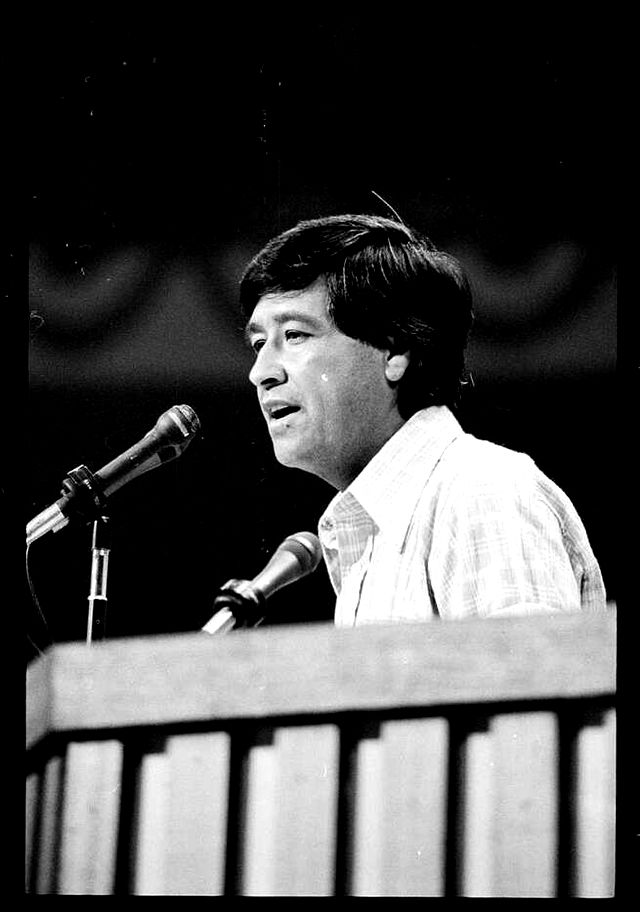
84 493
242 603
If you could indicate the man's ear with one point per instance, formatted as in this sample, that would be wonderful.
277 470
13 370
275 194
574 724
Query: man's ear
397 364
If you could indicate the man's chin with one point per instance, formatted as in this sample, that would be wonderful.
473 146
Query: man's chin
289 460
294 459
311 465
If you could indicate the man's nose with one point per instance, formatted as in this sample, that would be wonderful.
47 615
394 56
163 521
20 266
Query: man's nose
268 369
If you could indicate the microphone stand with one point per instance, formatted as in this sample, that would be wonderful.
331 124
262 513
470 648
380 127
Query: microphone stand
100 549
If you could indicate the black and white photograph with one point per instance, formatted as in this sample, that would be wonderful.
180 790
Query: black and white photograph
321 584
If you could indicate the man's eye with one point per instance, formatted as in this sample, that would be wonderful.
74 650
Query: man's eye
295 335
256 345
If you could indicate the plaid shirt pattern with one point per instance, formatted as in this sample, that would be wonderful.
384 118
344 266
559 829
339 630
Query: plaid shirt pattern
442 524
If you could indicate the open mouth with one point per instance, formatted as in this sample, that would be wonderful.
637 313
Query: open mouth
282 412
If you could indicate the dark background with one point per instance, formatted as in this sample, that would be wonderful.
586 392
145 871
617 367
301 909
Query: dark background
165 149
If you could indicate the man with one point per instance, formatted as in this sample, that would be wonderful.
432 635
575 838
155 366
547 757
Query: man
359 327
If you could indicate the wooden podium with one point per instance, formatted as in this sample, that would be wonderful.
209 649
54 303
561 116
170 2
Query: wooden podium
469 758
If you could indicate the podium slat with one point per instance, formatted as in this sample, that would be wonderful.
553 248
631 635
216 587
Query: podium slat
477 802
90 817
525 788
182 816
291 803
31 822
151 824
400 810
197 814
595 809
46 861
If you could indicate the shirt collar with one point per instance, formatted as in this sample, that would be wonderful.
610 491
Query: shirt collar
389 485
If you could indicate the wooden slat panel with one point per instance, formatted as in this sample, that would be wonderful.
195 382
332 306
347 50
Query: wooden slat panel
595 809
400 810
197 814
276 671
313 672
291 804
90 817
47 849
525 788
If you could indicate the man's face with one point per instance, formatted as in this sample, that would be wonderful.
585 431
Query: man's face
325 396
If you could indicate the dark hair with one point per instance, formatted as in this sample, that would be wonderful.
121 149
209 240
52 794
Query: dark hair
385 282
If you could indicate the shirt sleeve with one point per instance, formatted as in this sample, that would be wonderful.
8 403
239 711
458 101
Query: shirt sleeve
499 549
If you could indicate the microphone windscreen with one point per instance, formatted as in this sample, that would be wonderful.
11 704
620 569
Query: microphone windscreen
307 549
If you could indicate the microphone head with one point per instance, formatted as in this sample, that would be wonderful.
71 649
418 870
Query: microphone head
179 423
307 549
297 556
176 427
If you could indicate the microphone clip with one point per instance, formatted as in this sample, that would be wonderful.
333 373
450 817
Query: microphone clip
83 488
243 601
81 498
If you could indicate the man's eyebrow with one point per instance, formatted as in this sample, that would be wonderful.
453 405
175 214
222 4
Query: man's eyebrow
284 316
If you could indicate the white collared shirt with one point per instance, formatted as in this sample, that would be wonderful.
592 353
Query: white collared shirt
442 524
